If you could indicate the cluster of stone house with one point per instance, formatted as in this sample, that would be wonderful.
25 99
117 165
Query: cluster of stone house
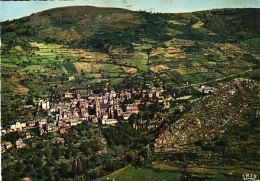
6 145
104 109
96 108
206 89
18 126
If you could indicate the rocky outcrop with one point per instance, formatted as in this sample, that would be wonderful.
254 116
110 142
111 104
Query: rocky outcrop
210 115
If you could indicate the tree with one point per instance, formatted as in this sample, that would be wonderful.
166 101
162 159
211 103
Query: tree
12 137
132 119
140 161
29 101
47 152
40 173
20 167
85 148
56 153
47 172
148 155
130 157
65 170
68 153
37 162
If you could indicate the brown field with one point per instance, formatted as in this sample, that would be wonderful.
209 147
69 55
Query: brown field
174 50
20 88
197 25
180 71
88 67
97 75
158 68
129 70
90 56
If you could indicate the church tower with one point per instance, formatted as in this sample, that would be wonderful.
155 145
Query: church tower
97 107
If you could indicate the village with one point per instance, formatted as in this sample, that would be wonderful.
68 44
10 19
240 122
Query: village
103 109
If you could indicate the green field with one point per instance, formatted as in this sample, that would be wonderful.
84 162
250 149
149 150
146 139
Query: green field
138 60
141 174
70 68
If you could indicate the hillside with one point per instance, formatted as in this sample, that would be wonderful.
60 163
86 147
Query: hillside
116 47
219 130
212 115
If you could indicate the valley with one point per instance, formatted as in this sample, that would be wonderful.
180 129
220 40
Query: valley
181 92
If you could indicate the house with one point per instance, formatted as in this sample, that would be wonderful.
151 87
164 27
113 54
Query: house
157 94
119 112
137 102
105 101
126 116
31 123
13 126
41 130
28 135
129 107
109 122
116 106
45 105
42 122
63 130
75 122
135 110
132 108
69 95
149 103
17 126
8 145
95 120
128 95
122 94
111 102
160 100
3 149
153 89
4 131
102 151
113 93
78 96
60 140
202 86
105 116
150 94
19 144
51 127
207 90
166 104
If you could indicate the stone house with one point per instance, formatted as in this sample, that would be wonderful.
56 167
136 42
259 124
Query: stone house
17 126
19 144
